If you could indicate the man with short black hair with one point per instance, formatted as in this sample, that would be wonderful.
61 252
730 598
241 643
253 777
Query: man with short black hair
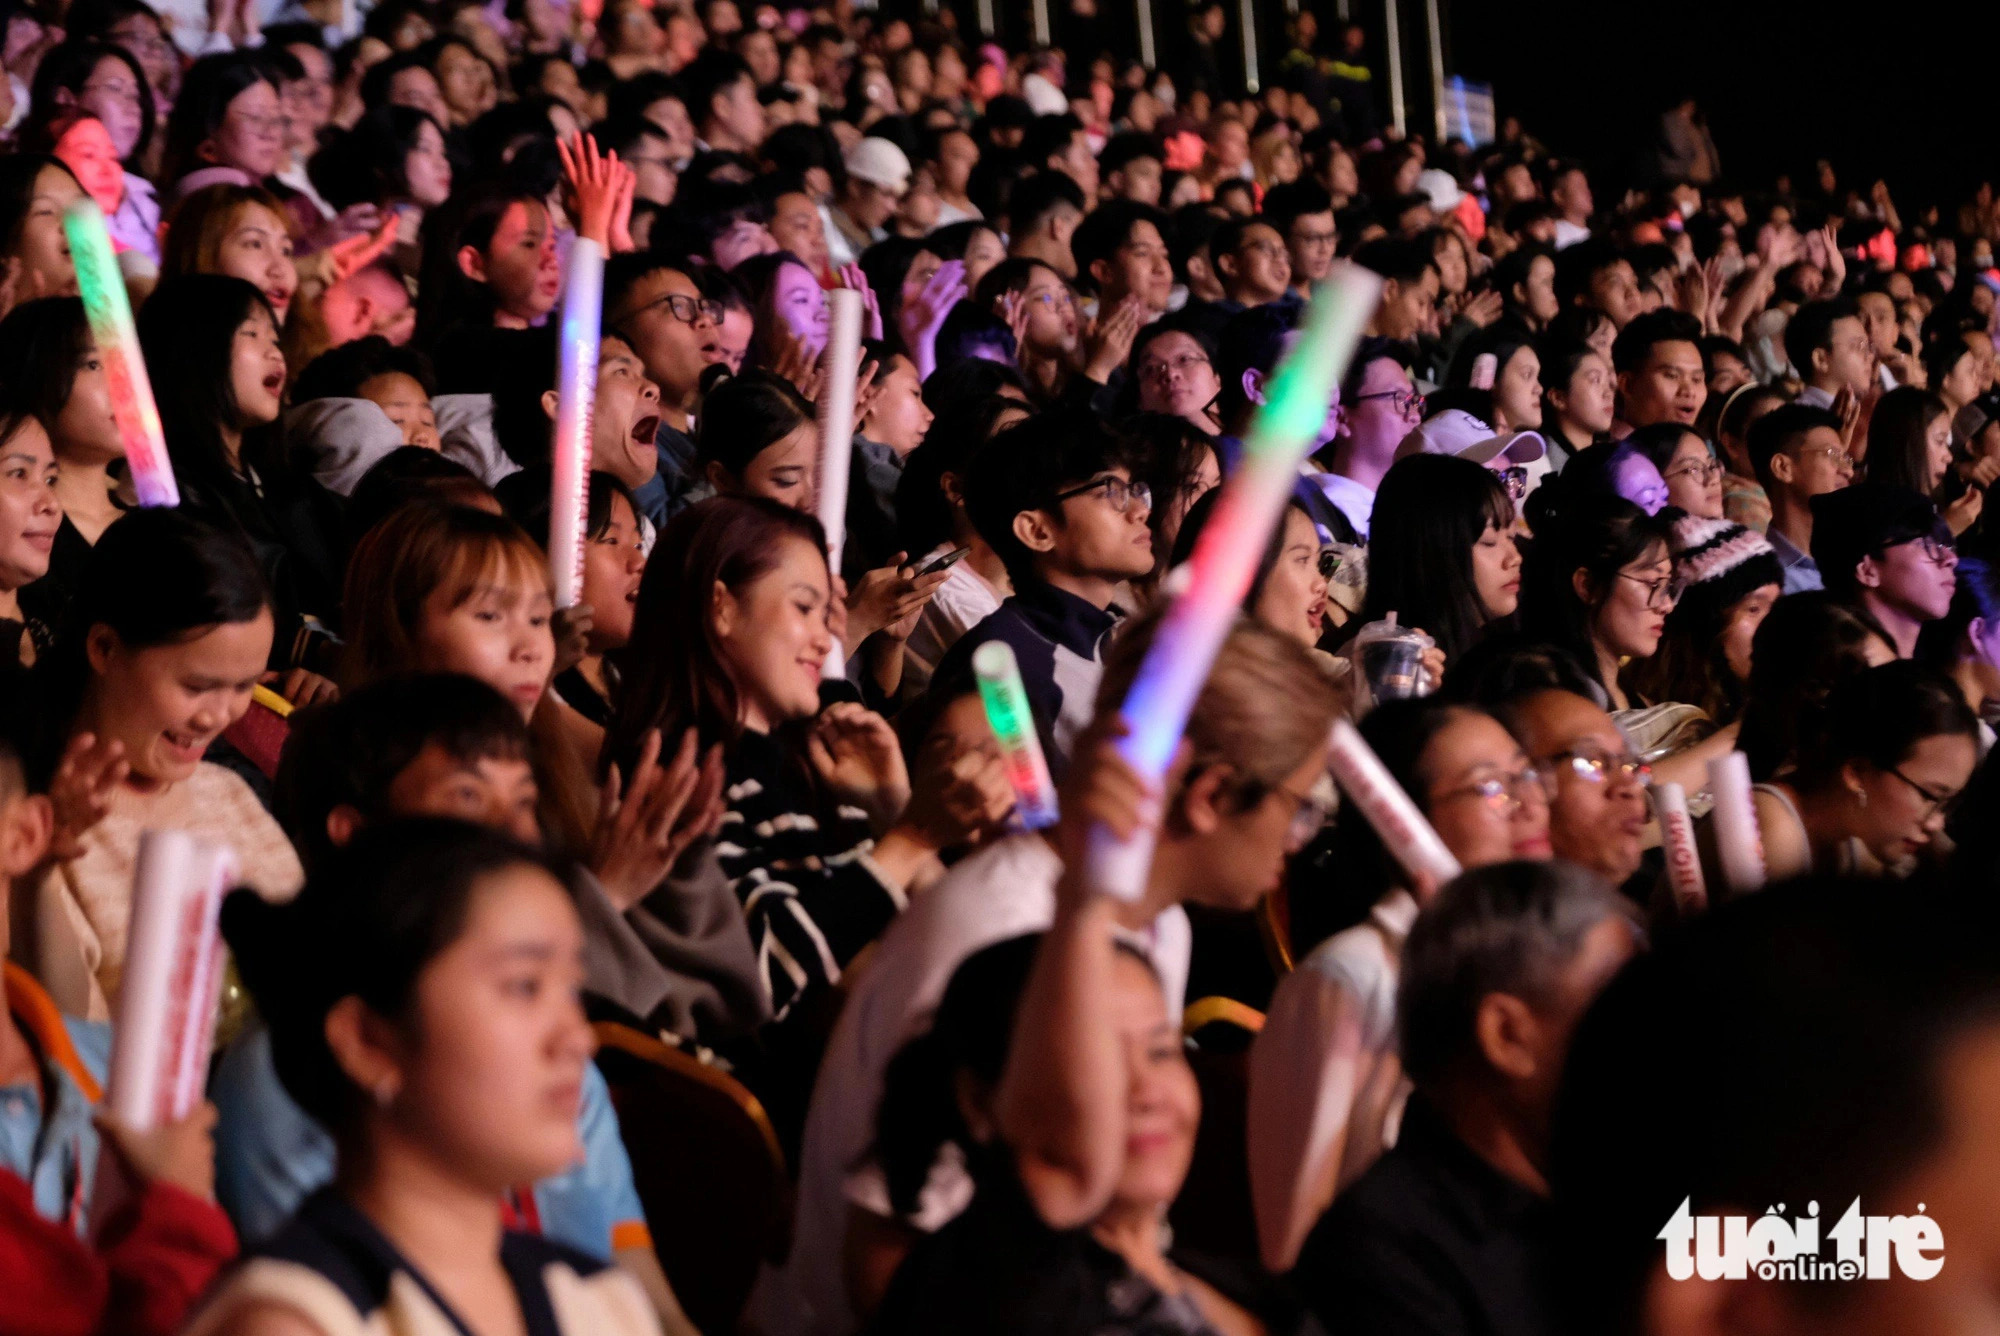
661 313
1569 192
1596 274
1130 167
1888 551
1054 497
1042 213
1830 350
1660 378
1410 284
1303 214
1058 144
1449 1231
1252 262
1797 453
1121 253
722 99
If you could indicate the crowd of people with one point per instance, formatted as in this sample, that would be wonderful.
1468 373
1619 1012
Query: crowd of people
1633 475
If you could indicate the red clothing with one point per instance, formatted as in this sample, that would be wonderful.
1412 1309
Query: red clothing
155 1257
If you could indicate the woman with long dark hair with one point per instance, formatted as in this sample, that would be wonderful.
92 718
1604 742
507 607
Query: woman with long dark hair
735 619
1729 579
211 345
1909 445
34 191
1965 642
227 125
489 261
1442 555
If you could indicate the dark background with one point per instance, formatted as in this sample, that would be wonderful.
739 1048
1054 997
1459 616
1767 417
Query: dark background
1906 92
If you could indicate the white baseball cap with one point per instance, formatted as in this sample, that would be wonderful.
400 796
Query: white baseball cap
1457 432
1442 187
881 163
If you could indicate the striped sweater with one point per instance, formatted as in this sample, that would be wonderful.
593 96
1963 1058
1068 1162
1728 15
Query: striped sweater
801 869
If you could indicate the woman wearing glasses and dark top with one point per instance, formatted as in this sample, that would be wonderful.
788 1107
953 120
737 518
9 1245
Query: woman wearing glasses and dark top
1876 783
1324 1078
1598 583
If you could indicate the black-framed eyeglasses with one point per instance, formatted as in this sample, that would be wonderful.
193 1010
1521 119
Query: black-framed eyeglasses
1406 401
1939 551
1117 491
1515 480
1503 793
1702 471
1310 812
1939 804
687 310
1185 363
1600 767
1665 588
1329 562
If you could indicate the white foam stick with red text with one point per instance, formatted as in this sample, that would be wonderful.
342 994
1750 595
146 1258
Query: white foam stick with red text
173 977
1739 845
1404 830
576 407
836 432
1677 840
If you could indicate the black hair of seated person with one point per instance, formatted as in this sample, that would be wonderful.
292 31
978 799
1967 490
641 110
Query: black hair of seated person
1338 878
625 134
1195 522
1434 510
348 752
505 128
1807 645
1105 230
631 97
950 241
207 89
366 926
340 372
1251 340
42 346
1026 467
528 498
1577 265
1877 717
407 475
1510 667
923 512
971 334
1791 1044
1034 198
974 378
744 415
68 66
1597 537
365 165
154 578
799 148
969 1035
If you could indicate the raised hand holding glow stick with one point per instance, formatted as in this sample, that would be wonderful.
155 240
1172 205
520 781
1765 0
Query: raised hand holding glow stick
836 432
109 310
1677 839
1739 845
1006 701
1405 832
1225 558
172 979
576 407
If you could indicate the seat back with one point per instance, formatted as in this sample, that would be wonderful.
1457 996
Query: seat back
708 1169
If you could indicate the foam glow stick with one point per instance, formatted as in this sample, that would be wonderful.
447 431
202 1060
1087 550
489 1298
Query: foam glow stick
576 407
836 433
1404 830
109 310
172 980
1006 701
1739 845
1225 557
1677 838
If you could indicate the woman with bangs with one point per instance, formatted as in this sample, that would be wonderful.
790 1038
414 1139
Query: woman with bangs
211 346
450 589
107 82
241 231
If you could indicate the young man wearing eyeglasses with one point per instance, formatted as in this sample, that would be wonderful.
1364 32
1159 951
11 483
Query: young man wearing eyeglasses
1252 262
1596 786
1379 406
1885 550
662 314
1797 454
1054 498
